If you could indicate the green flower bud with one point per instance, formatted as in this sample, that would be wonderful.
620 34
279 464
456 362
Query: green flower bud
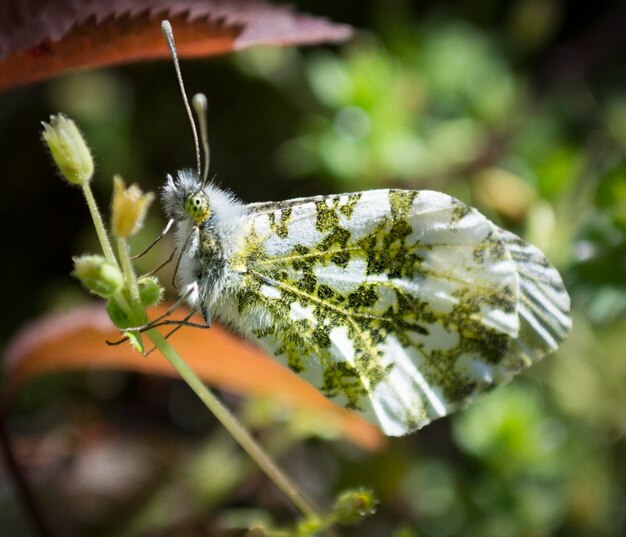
150 292
118 315
352 506
129 208
69 149
122 320
97 275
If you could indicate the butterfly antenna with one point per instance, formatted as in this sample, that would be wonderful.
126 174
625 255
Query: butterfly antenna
166 28
199 103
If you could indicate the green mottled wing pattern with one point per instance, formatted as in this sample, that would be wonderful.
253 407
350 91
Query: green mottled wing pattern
401 305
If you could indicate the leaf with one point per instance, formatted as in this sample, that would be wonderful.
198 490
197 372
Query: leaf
39 38
76 341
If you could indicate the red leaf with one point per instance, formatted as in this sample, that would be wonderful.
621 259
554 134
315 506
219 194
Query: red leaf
76 341
39 39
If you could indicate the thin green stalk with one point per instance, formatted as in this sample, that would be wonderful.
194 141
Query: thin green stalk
128 271
123 303
97 221
239 433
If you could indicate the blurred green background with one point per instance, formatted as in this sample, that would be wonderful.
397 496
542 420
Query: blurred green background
516 107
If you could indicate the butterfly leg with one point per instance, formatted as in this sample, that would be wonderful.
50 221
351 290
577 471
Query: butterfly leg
195 233
168 226
183 322
206 314
168 260
159 321
167 322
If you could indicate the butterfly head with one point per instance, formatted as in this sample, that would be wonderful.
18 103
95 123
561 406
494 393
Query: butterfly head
197 206
184 197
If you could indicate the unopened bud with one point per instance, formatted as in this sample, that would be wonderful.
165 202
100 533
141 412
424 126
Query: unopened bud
99 276
121 319
69 149
129 208
150 292
352 506
117 314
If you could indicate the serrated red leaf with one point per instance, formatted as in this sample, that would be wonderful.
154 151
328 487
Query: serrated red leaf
39 39
76 341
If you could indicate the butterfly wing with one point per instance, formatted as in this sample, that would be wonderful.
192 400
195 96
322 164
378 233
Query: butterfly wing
401 305
544 305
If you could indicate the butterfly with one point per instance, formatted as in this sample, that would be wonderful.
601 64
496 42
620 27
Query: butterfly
402 305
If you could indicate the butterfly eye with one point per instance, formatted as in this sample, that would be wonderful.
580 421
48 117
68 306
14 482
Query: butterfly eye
197 206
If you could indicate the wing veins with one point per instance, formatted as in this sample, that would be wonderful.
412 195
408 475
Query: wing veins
350 318
317 301
328 253
443 276
277 259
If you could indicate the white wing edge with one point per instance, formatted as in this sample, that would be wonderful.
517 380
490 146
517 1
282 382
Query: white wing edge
544 308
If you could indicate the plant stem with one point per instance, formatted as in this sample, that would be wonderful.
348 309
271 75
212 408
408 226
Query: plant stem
239 433
129 272
97 222
126 307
